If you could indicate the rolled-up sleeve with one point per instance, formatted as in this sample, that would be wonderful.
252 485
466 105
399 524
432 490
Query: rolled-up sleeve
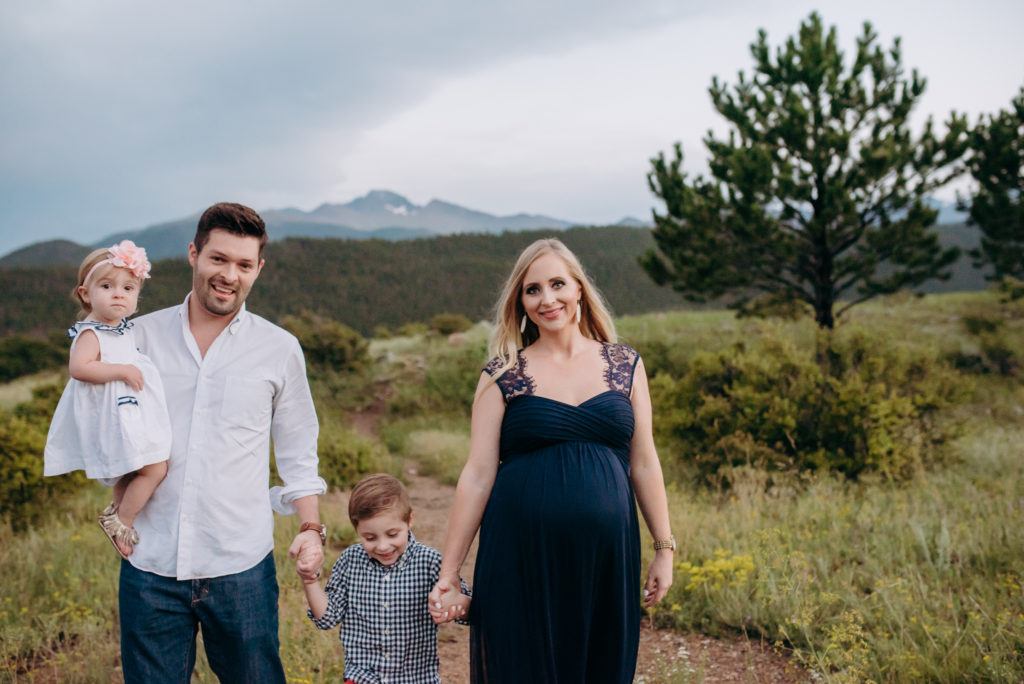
294 430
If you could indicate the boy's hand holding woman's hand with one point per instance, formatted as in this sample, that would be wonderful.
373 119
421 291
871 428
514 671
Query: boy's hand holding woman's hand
447 602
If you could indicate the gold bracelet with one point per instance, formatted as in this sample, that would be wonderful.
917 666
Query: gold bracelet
669 543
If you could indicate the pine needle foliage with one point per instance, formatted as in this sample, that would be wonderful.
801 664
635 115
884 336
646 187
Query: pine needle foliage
997 208
816 197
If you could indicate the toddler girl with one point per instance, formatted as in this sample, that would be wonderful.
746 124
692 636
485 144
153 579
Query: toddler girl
112 418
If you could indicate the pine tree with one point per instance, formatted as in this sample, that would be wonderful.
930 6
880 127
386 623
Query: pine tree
817 195
997 207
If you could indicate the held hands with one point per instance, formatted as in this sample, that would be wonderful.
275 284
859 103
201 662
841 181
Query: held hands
131 376
308 552
447 602
659 578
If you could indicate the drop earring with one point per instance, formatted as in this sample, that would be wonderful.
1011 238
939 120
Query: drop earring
579 311
522 326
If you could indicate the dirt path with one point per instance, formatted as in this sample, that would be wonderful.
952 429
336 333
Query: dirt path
665 656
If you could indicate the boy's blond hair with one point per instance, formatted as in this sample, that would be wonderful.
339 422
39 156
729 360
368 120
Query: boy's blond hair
376 494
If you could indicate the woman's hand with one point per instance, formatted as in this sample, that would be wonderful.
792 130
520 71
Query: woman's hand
443 600
659 578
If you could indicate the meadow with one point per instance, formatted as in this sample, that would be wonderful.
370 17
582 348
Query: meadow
873 578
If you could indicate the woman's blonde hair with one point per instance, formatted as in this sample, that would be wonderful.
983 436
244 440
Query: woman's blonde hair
95 257
506 338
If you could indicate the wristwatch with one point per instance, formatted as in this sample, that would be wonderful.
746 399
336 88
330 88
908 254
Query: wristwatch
669 543
318 528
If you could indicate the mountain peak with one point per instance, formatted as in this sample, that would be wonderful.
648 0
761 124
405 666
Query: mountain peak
382 199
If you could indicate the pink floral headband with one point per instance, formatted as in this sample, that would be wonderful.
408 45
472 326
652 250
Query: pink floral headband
125 255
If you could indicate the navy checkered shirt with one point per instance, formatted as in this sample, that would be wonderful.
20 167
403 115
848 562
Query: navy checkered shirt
386 629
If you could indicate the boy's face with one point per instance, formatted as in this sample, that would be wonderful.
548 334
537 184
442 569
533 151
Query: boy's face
384 536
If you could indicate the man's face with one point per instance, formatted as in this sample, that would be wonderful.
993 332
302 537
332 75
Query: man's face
224 271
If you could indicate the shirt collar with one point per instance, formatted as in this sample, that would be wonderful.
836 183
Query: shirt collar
233 326
119 329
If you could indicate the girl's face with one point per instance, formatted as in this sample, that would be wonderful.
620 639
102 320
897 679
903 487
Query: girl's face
112 295
550 293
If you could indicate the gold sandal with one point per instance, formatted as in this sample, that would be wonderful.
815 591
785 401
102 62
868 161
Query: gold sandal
116 530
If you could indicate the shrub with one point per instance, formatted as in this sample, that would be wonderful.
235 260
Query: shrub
328 343
862 407
440 454
448 323
24 493
444 383
345 456
24 355
997 351
412 330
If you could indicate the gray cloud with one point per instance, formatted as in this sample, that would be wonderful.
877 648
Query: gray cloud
119 112
115 114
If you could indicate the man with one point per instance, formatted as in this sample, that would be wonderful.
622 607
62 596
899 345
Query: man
233 381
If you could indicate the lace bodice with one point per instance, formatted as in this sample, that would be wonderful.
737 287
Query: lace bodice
620 362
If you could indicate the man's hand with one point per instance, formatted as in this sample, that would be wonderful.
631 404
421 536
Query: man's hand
308 552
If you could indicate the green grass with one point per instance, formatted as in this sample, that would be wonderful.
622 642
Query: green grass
889 582
20 391
871 580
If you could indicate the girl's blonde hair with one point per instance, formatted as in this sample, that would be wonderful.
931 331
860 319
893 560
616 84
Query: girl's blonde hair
94 257
506 338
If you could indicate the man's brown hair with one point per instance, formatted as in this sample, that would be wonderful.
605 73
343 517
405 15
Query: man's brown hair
376 494
237 219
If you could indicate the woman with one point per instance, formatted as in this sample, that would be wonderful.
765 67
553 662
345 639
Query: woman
561 439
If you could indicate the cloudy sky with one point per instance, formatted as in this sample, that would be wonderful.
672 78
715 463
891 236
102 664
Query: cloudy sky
117 114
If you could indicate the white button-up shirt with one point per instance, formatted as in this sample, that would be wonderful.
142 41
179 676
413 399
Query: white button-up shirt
212 516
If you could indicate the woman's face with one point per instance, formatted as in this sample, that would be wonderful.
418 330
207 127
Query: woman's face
550 294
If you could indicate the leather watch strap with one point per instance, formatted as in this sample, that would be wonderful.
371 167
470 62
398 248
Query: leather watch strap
316 527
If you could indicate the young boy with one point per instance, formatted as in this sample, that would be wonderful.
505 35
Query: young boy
378 591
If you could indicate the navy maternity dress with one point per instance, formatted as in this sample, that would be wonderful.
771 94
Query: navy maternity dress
556 591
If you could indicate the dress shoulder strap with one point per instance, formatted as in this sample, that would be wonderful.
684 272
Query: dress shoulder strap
620 365
514 381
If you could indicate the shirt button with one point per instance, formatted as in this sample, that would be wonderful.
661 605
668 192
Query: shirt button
385 604
387 631
387 577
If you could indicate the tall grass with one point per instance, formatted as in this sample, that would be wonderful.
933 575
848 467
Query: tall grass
858 581
875 581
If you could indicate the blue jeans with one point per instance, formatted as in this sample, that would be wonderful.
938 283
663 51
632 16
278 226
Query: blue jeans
160 617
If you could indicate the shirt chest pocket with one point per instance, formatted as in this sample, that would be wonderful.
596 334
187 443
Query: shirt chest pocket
247 403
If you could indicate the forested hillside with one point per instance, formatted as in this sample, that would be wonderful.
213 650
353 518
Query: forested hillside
367 283
364 283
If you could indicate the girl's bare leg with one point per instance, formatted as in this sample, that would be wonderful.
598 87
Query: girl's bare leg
120 486
139 487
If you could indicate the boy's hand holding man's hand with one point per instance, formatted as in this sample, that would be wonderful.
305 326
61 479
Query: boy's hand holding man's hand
308 552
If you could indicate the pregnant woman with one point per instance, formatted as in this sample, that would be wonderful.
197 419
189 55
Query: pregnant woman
561 442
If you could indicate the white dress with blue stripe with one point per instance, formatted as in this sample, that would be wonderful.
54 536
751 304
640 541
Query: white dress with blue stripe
109 430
